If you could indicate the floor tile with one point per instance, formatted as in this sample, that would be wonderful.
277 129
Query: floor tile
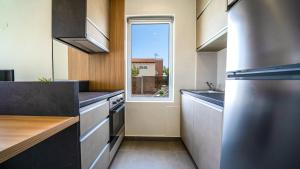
152 155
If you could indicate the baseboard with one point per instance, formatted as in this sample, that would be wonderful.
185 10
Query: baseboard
142 138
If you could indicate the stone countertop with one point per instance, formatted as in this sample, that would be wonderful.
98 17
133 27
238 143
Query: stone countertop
214 98
87 98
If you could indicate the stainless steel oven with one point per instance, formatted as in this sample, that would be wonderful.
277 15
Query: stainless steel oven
116 121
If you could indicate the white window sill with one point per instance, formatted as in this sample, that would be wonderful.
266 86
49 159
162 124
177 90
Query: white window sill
149 100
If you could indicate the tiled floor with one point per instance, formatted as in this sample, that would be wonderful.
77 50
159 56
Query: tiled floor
152 155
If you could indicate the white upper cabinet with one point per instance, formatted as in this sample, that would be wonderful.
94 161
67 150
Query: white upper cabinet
201 5
212 25
98 12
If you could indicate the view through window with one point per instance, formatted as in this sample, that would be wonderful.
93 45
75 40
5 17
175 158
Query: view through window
150 60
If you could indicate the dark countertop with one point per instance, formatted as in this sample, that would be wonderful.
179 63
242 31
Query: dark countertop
215 98
87 98
59 98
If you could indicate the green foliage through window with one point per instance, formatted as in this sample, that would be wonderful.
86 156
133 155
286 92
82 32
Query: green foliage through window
166 71
135 71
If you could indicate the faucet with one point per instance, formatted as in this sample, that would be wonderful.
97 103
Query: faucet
211 86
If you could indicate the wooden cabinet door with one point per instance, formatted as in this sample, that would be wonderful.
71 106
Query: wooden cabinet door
98 14
187 121
207 135
200 5
212 22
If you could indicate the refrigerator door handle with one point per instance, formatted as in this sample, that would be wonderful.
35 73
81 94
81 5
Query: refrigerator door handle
290 72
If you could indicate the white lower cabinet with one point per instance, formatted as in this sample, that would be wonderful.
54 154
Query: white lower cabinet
186 118
94 137
201 131
93 143
102 161
92 115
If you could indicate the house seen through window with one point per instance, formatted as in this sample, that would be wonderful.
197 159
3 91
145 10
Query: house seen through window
150 60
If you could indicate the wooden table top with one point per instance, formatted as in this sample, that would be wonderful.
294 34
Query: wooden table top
19 133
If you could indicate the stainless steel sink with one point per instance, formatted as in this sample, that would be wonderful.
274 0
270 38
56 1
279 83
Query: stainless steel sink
206 91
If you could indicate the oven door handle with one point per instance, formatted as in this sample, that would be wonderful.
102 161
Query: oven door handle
118 109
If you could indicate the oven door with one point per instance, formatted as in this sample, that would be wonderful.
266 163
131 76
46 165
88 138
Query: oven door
117 120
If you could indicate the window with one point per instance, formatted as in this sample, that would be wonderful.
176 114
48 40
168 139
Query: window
143 67
150 59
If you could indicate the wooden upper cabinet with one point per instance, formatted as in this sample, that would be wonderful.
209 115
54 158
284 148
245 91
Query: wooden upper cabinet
98 13
201 5
212 26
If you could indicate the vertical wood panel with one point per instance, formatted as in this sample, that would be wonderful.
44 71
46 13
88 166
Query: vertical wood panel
78 65
106 71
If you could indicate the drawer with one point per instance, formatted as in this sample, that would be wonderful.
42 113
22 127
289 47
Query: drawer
92 115
93 143
102 161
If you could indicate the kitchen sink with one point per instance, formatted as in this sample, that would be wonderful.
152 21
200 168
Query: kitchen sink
206 91
212 96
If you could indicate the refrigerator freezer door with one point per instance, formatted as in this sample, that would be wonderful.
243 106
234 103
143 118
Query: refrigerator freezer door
263 33
261 127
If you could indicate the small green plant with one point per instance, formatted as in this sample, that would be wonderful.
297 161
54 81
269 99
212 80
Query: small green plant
166 71
45 80
135 71
161 93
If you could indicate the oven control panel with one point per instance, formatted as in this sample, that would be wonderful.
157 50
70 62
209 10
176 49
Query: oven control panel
116 100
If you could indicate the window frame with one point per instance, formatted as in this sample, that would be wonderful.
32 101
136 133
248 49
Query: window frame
143 20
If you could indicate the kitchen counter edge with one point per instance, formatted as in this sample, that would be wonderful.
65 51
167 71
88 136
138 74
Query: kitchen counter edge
217 103
83 103
32 135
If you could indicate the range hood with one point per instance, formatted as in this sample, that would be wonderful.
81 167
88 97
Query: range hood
74 23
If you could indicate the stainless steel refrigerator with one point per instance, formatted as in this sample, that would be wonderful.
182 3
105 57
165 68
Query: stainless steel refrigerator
261 127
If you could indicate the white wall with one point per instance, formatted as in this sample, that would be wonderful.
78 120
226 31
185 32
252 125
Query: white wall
221 70
206 69
163 119
60 59
211 67
25 38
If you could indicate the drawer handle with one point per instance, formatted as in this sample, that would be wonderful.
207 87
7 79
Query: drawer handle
92 108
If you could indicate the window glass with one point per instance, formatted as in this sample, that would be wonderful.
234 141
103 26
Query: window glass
150 60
